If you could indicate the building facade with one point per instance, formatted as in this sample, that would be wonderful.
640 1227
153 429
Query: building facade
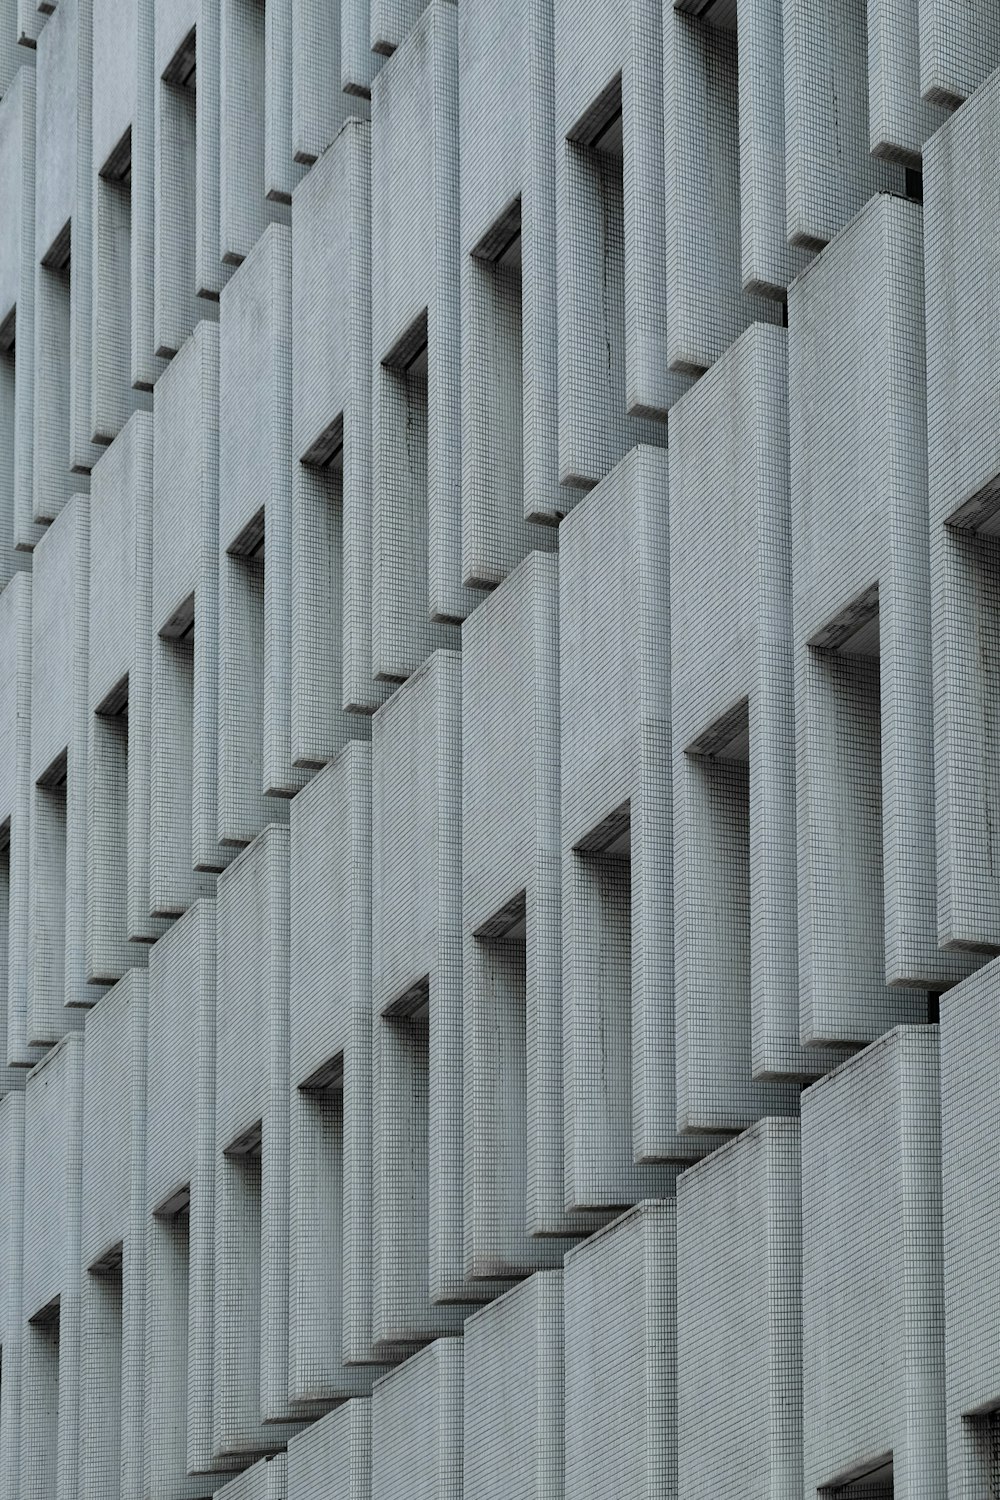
499 749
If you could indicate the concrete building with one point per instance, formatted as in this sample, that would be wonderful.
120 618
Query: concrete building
499 749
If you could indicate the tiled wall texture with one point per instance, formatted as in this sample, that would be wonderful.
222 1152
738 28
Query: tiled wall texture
499 749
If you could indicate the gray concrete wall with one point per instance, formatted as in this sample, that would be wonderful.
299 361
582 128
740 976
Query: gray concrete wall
498 776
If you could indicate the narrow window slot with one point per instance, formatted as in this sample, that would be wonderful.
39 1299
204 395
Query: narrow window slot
112 353
603 1062
172 758
40 1399
498 988
402 538
714 925
53 481
101 1414
109 842
49 894
402 1249
318 606
238 1292
4 941
177 307
496 416
318 1232
168 1281
8 409
596 205
242 688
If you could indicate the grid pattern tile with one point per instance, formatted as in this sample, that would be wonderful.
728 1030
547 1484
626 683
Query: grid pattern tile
499 790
